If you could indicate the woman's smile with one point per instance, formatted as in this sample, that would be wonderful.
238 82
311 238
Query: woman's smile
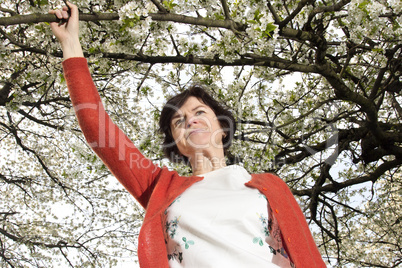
195 131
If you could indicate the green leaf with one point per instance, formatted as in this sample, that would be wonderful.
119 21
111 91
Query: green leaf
169 4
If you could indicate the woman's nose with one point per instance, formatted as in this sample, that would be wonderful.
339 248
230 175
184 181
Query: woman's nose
193 120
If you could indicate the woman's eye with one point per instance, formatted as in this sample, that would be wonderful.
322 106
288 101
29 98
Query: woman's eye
199 112
179 122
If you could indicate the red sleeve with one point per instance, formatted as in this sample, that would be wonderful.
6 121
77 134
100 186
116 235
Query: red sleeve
137 173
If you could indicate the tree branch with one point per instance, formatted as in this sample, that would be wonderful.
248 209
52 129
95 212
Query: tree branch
248 59
225 9
373 177
22 45
336 7
295 12
273 12
160 7
38 17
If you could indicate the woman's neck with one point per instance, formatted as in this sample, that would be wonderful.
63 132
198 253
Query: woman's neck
202 164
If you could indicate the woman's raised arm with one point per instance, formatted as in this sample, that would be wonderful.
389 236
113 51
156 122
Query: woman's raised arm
137 173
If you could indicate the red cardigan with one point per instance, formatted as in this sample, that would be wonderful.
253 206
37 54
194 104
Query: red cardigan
155 188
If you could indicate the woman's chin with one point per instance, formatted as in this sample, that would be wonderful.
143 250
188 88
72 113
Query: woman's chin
198 141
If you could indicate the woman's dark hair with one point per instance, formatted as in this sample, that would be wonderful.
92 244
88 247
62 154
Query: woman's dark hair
223 114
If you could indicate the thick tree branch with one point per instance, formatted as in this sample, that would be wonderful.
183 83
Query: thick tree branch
301 35
9 11
322 9
343 92
295 12
36 18
6 89
396 105
372 177
225 9
160 7
277 19
39 17
248 59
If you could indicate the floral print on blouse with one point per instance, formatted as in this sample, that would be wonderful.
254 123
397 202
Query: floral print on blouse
220 222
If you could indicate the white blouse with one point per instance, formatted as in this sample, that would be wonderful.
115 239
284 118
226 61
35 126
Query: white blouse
220 222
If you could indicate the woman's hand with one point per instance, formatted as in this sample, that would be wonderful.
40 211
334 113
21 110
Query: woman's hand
67 32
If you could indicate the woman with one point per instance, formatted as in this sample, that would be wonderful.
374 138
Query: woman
219 217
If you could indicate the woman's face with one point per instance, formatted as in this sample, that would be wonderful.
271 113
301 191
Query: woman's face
195 128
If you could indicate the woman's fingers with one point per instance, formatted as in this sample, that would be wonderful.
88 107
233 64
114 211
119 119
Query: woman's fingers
71 7
60 14
63 13
56 12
